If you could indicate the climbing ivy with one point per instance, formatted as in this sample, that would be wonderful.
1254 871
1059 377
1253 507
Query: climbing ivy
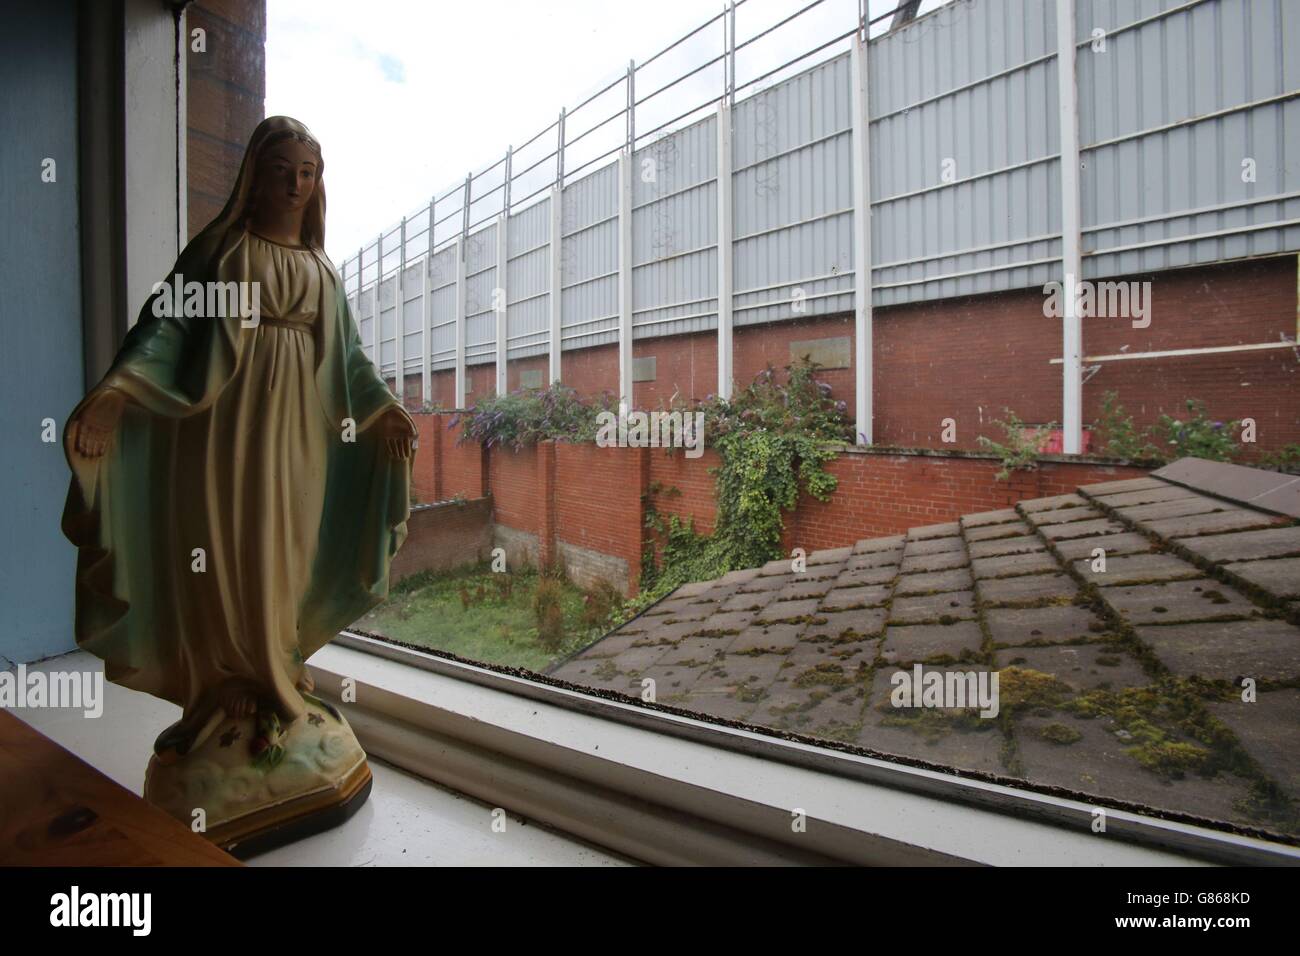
774 439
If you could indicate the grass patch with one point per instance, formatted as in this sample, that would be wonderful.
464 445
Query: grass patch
490 617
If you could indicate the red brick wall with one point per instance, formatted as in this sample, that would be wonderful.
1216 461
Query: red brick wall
591 371
756 347
881 494
598 500
464 466
225 91
1233 304
969 358
513 477
425 470
685 366
445 536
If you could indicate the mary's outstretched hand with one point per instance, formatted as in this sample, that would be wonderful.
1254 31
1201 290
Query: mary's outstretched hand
96 423
399 433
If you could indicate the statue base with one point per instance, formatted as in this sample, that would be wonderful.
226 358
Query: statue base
250 786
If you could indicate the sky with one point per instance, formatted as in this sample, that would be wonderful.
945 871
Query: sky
407 96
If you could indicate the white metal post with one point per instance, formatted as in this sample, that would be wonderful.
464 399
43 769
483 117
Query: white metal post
863 352
625 281
462 292
499 300
426 309
557 281
1071 257
378 333
357 318
725 279
399 319
460 323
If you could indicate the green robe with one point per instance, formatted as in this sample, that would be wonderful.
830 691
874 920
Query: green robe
171 480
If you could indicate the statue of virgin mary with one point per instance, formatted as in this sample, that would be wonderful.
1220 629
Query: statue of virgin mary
239 486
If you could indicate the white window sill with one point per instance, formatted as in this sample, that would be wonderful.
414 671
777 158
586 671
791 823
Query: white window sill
608 773
407 821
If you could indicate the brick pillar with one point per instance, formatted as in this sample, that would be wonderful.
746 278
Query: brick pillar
484 471
639 534
546 549
437 430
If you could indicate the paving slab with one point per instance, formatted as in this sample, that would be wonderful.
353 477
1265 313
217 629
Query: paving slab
873 545
874 559
1237 519
1097 763
779 611
994 532
799 588
748 601
1026 589
830 556
1127 543
1055 624
1019 544
774 638
989 517
1035 505
1096 527
1246 546
845 626
936 736
670 682
691 652
1265 650
933 531
1012 565
1198 599
1280 577
1124 485
957 605
924 642
958 579
1268 731
1042 519
913 564
1189 504
934 546
771 582
844 599
1083 667
1136 569
864 576
724 622
1149 496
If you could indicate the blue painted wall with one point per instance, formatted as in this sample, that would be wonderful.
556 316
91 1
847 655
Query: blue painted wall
41 372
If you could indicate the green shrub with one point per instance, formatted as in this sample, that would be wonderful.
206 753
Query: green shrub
1117 436
526 416
548 610
1285 459
1022 447
1197 436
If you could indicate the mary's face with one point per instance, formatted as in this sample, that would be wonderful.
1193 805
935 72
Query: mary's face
286 176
